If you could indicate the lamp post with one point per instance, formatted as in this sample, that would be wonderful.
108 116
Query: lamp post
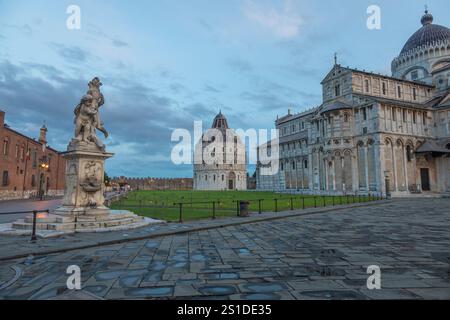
43 166
387 182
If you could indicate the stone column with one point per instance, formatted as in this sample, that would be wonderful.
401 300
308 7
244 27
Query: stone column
355 174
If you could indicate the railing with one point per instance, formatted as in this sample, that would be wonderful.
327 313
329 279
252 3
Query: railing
35 213
288 203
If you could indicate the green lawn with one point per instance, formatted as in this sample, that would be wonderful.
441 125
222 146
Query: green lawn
198 204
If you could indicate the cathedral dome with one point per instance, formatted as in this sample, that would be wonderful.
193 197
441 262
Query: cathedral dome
427 35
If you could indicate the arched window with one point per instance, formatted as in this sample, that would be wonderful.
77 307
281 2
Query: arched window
345 117
305 164
408 153
5 147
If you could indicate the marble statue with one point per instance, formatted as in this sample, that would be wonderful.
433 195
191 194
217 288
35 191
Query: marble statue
87 116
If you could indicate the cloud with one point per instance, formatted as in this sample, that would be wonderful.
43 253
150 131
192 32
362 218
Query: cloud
239 65
99 33
25 29
119 43
70 53
210 88
139 118
283 23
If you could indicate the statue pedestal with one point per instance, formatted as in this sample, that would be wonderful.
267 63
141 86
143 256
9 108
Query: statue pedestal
84 183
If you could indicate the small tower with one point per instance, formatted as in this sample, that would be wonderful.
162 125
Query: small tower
2 118
43 135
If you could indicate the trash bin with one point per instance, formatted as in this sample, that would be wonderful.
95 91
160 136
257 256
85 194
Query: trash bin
243 208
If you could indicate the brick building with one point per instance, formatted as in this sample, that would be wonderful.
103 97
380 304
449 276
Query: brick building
28 166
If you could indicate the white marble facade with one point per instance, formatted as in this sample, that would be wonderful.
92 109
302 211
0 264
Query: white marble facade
220 164
372 126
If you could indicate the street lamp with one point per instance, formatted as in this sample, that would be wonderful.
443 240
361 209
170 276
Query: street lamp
43 166
387 182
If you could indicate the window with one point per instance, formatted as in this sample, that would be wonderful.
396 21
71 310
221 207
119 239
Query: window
404 116
17 151
33 181
414 75
293 128
34 158
366 86
414 93
305 164
293 165
345 117
303 125
408 153
5 178
364 112
337 90
399 91
282 166
5 147
424 118
384 88
223 177
414 117
394 114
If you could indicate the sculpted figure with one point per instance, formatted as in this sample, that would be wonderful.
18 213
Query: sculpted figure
87 117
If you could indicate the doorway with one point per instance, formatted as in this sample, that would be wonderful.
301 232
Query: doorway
425 179
231 181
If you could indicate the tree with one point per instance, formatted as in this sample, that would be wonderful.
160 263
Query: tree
107 180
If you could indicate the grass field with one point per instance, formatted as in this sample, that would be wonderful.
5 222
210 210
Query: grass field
198 204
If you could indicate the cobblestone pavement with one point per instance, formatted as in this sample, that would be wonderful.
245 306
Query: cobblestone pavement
25 205
320 256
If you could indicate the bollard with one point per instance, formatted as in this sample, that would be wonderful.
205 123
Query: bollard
259 206
33 234
324 201
181 212
333 200
292 205
276 205
303 202
237 208
214 210
315 202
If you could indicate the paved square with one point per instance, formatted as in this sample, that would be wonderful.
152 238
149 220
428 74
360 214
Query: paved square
319 256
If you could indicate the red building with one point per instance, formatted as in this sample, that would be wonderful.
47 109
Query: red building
28 167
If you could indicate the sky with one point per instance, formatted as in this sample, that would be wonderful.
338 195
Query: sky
167 63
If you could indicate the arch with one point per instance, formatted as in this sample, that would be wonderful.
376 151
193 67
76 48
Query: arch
231 181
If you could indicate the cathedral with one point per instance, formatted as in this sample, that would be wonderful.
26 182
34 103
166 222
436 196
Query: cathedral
220 159
373 133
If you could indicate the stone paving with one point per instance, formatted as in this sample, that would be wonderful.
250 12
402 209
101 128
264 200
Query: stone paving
25 205
319 256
